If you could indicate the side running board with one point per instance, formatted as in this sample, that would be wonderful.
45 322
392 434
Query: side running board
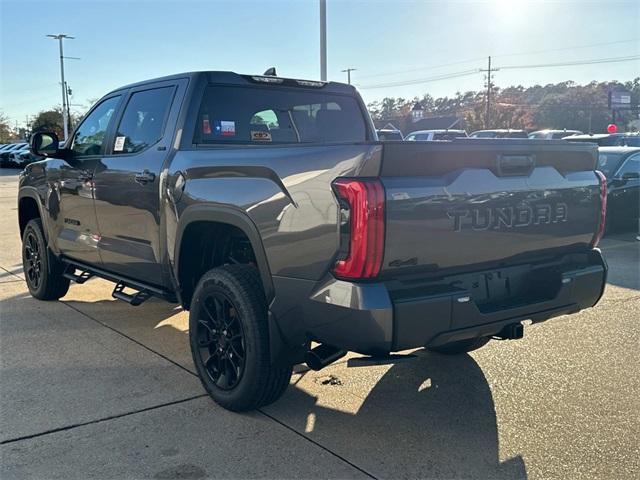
142 292
134 299
70 273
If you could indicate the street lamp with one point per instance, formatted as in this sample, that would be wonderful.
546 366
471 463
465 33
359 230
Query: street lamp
60 37
323 40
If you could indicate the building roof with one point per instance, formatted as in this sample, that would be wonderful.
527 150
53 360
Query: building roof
438 123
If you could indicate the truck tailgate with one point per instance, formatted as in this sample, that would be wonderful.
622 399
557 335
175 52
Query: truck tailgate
481 202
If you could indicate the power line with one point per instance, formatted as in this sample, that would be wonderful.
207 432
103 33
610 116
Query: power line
508 67
577 62
502 55
432 67
421 80
562 49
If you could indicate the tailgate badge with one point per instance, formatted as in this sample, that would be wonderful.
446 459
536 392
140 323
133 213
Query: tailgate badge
501 218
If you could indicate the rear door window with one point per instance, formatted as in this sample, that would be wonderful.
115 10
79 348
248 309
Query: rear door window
143 120
272 115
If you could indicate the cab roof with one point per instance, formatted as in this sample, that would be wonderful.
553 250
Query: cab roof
232 78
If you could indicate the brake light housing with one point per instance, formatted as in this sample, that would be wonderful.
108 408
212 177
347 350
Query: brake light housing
603 209
363 201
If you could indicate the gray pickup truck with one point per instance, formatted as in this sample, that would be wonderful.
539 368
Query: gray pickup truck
267 207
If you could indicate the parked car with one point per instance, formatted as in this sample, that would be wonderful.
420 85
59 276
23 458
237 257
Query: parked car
499 133
308 229
434 135
608 139
20 158
5 154
621 166
552 134
388 135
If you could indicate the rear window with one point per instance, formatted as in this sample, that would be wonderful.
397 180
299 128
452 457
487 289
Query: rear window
258 116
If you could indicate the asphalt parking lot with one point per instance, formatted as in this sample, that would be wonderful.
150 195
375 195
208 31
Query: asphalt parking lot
94 388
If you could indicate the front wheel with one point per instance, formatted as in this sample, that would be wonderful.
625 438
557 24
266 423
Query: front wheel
42 272
229 339
462 346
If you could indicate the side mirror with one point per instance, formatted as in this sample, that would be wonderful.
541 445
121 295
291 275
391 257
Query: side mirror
44 144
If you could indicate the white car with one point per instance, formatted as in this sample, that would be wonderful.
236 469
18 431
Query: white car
553 134
432 135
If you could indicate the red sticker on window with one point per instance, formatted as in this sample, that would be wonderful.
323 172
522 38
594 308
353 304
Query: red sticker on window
206 126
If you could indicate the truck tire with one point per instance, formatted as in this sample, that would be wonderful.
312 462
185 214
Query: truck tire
229 339
42 271
462 346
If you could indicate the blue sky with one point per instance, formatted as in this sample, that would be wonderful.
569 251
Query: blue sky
120 42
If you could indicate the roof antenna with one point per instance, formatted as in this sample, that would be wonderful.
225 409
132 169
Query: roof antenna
271 72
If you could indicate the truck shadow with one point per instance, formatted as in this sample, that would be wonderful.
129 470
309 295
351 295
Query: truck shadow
622 253
432 417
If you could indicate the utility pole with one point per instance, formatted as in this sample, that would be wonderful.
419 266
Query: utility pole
67 92
487 115
348 72
60 37
323 40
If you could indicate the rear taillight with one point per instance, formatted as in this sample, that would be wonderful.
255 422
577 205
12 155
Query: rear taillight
363 200
603 209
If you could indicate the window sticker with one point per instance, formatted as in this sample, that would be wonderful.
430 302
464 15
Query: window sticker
206 126
119 146
225 128
260 136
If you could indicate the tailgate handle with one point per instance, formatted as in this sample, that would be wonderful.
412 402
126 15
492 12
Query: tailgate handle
515 165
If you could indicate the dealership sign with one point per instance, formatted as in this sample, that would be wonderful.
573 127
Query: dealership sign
620 100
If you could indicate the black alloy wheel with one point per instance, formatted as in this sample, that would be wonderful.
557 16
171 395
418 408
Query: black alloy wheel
43 272
33 260
221 342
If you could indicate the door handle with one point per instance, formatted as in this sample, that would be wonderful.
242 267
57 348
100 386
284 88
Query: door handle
145 177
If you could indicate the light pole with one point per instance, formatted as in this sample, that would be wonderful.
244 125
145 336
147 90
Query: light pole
323 40
60 37
348 72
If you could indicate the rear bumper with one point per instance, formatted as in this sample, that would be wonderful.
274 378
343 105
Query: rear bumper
378 318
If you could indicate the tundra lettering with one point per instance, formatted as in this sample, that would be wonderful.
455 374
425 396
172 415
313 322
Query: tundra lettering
268 209
507 217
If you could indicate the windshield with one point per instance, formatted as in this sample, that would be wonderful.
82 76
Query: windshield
608 163
277 116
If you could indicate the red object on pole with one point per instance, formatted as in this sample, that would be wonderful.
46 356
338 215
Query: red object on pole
611 128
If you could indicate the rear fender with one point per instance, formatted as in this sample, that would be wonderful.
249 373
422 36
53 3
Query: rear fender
231 216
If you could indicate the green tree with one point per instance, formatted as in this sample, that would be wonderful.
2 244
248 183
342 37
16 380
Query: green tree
49 120
7 134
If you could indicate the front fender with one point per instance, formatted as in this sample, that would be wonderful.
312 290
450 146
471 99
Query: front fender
32 193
